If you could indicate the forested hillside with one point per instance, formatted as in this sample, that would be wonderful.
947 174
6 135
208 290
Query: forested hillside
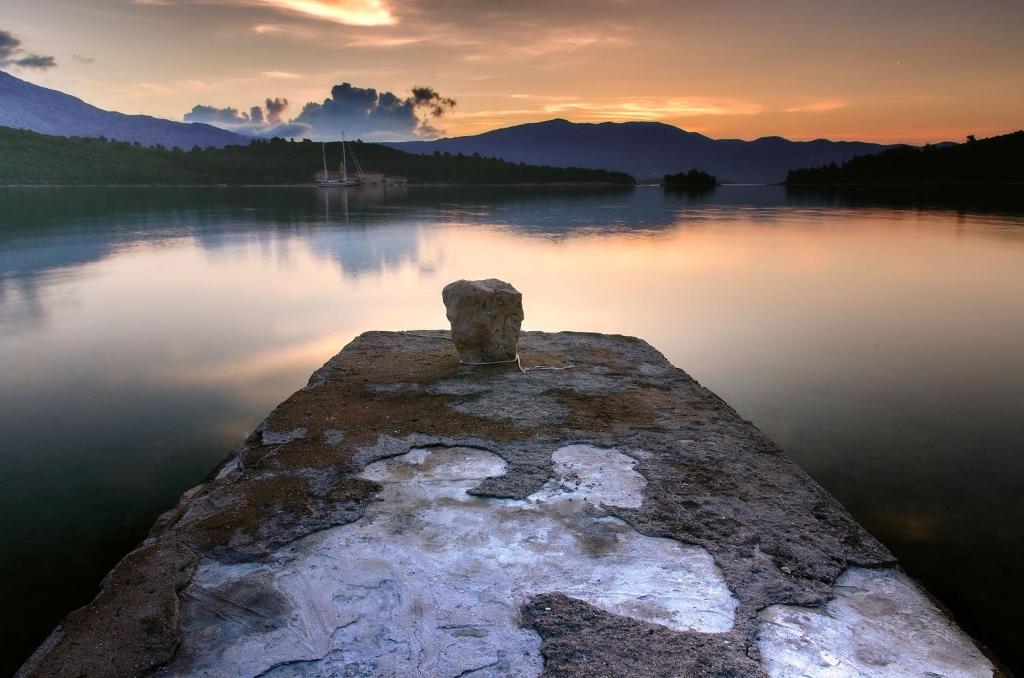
992 160
31 158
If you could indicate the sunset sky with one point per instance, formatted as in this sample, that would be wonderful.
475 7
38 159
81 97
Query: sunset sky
895 70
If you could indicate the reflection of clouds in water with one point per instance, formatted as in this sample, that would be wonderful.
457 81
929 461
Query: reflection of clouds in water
20 306
364 232
184 315
362 251
27 271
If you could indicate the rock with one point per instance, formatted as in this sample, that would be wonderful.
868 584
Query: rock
486 316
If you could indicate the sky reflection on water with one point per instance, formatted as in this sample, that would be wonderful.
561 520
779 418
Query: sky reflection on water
143 333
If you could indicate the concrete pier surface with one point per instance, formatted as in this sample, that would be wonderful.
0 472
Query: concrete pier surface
407 515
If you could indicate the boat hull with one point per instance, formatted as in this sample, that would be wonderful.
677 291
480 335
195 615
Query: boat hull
339 184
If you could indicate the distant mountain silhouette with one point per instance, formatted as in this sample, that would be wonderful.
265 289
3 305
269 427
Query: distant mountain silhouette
31 107
993 160
647 150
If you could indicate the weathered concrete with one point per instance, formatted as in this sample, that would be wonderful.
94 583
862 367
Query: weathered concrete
407 515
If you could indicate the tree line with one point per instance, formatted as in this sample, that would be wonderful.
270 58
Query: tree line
695 178
992 160
32 158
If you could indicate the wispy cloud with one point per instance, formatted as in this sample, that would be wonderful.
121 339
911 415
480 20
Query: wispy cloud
383 41
539 43
432 35
287 31
12 54
268 29
654 109
174 86
567 40
542 97
819 106
348 12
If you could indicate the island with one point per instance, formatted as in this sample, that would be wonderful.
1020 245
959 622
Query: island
694 179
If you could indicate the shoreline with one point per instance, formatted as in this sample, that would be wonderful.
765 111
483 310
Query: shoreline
565 184
950 184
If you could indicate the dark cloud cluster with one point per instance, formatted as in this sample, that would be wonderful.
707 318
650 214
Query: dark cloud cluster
257 122
355 111
12 54
426 97
275 107
226 117
366 113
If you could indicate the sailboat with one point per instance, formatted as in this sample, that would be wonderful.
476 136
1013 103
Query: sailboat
345 181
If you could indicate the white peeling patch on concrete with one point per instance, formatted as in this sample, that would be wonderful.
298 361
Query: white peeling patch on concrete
230 467
282 437
880 624
333 436
429 582
595 475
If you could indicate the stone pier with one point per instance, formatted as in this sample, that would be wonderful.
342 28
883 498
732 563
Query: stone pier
408 515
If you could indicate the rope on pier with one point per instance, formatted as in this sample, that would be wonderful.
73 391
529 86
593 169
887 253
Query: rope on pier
516 360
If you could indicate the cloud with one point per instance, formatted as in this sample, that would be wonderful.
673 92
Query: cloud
427 98
291 30
381 41
257 122
217 116
280 75
655 109
363 112
82 59
355 111
12 54
36 61
820 106
9 45
351 12
275 107
348 12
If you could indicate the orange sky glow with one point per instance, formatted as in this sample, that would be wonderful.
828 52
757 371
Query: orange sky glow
911 71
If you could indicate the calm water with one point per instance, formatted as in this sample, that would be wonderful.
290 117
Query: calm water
144 333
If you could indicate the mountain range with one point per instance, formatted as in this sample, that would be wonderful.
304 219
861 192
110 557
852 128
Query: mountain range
647 150
31 107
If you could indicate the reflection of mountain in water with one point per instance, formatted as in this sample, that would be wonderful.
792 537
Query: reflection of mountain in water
23 262
362 251
367 231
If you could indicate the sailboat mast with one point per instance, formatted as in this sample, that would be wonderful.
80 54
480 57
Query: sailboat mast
344 168
323 151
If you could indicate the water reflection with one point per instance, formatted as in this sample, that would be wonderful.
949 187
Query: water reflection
997 199
144 332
